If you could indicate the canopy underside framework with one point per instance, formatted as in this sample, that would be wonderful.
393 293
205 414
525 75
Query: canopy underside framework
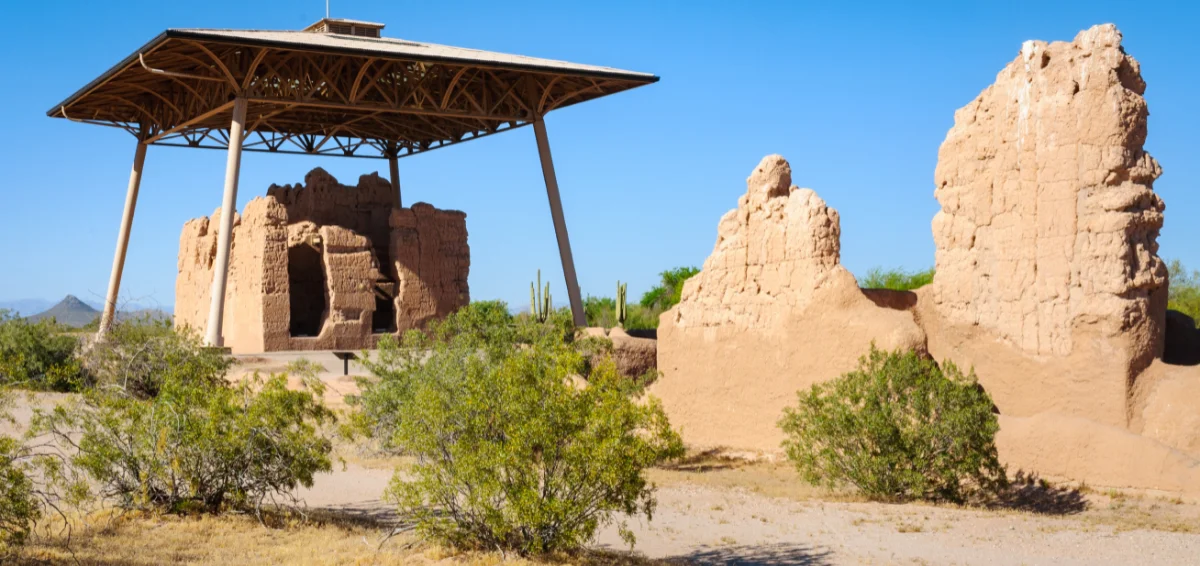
321 94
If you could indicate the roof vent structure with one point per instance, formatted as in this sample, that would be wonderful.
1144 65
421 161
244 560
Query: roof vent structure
345 27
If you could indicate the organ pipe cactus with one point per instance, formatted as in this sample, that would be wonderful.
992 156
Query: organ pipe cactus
539 304
622 311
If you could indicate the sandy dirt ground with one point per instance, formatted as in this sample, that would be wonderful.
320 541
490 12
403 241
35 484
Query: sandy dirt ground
761 514
697 524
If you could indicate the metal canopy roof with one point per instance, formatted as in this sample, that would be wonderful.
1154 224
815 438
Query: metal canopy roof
329 94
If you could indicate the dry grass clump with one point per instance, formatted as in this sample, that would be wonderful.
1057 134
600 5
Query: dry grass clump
150 539
137 539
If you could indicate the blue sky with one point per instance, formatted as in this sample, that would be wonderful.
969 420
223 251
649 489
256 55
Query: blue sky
857 96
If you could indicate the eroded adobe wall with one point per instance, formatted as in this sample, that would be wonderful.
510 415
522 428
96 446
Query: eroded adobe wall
349 270
1048 285
356 239
431 260
256 287
363 209
772 312
1047 236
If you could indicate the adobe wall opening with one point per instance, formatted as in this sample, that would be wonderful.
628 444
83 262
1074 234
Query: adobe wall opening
306 284
383 321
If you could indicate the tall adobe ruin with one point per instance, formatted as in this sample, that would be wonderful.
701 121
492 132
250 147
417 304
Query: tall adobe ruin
1047 236
321 265
1048 284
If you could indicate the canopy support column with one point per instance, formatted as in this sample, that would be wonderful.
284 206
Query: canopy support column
560 224
118 266
395 171
233 166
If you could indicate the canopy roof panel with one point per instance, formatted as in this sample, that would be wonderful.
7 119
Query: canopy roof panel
326 93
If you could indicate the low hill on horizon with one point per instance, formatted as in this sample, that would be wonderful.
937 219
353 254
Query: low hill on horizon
69 312
76 313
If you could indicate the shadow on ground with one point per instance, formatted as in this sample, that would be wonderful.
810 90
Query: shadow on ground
779 554
1034 495
705 461
366 514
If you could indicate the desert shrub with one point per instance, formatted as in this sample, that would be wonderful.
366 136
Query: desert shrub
898 428
19 506
641 318
601 313
513 449
37 355
19 509
28 476
137 356
643 315
478 318
896 279
1183 292
669 291
176 436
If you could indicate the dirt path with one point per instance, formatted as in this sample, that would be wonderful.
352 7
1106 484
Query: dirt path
731 525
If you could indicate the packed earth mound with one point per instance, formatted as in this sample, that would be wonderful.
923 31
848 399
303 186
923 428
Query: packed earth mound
1048 284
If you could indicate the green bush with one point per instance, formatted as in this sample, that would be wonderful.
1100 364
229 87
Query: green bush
899 428
37 355
19 506
137 356
600 313
644 315
1183 292
175 436
896 279
669 291
513 449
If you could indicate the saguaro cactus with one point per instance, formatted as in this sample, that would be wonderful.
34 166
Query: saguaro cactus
539 304
622 311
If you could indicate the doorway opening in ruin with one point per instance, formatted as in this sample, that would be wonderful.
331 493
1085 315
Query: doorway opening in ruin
306 287
384 319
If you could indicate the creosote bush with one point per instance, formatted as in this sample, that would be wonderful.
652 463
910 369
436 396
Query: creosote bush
139 355
29 478
164 430
899 428
514 449
19 506
38 355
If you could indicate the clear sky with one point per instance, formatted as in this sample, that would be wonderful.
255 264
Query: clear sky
857 96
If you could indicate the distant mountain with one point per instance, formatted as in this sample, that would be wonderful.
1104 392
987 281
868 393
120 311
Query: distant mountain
26 307
70 312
